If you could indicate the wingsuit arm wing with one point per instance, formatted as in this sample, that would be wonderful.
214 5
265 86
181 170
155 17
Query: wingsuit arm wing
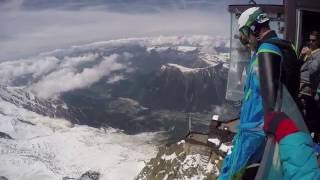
269 65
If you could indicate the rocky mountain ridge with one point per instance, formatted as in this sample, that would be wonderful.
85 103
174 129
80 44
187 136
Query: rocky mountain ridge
190 89
54 108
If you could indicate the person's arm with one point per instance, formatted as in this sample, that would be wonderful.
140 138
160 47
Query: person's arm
269 65
298 157
314 70
314 66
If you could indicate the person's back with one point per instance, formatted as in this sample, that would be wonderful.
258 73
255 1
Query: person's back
290 66
315 68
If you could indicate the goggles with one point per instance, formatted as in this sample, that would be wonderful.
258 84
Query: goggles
245 31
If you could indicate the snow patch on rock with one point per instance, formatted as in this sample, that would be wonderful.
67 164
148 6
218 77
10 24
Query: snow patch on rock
215 141
170 157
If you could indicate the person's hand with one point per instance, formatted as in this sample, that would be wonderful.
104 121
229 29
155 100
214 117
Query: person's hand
305 51
279 125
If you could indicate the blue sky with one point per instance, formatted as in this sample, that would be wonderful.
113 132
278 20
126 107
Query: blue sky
29 27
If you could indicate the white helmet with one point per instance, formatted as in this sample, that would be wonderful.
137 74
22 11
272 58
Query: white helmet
250 19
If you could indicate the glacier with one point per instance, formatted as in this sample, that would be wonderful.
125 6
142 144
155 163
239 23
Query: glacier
48 148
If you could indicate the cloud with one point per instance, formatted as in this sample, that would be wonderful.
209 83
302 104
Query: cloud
36 67
68 79
10 5
29 27
26 33
126 5
40 66
111 5
75 61
115 78
59 71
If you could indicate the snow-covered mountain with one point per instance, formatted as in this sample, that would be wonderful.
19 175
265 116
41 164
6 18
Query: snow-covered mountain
39 147
182 160
53 108
101 107
88 78
191 88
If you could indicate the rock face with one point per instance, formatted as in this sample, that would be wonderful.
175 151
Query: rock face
153 101
5 135
51 108
183 160
197 156
190 89
89 175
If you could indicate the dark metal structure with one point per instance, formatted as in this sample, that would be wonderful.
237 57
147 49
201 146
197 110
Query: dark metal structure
301 17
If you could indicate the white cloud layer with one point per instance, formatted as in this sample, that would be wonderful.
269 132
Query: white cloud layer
68 79
74 61
63 70
26 33
29 27
40 66
115 78
10 70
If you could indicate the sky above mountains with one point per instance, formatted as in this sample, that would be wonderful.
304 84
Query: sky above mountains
29 27
125 5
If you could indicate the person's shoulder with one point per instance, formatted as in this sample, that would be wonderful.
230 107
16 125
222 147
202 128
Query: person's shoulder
317 53
268 47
